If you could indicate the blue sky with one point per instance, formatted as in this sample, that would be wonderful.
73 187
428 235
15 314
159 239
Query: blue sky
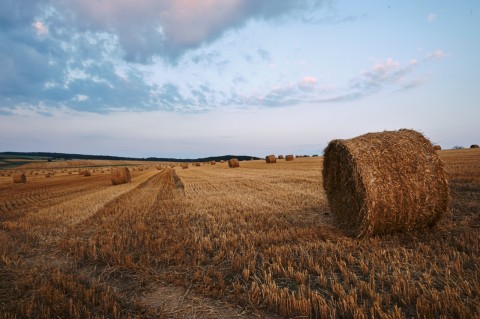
211 77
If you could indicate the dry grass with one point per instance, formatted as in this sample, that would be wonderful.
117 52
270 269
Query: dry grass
212 242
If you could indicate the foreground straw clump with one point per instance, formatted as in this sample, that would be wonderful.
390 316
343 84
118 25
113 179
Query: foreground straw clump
120 176
385 182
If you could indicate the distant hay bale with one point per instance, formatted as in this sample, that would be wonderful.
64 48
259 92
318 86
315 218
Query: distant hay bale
233 163
385 182
86 173
120 176
20 178
184 166
213 163
197 164
289 158
474 146
437 147
280 157
47 175
270 159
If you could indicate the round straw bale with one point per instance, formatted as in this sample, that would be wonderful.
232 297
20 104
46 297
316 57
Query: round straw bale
184 166
20 178
213 163
233 163
280 157
437 147
289 158
86 173
120 176
385 182
474 146
197 164
270 159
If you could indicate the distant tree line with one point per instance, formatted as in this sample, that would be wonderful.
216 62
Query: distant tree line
65 156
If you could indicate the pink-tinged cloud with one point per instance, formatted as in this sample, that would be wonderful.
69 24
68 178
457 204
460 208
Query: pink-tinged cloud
40 28
171 27
438 54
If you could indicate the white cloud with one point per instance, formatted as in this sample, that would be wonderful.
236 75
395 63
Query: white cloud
80 98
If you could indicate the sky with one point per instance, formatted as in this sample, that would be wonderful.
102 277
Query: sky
189 79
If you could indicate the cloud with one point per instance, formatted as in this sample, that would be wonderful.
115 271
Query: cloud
431 17
386 75
40 28
169 28
438 54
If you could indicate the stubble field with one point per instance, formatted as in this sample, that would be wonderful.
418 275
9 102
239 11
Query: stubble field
215 242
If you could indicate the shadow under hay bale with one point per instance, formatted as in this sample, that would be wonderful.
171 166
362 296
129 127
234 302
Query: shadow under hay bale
20 178
232 163
385 182
270 159
120 176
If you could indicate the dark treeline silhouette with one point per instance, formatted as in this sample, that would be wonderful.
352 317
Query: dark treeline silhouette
65 156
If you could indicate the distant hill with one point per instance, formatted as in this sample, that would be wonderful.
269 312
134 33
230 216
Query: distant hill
66 156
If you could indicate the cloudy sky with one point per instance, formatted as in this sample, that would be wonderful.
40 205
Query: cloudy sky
194 78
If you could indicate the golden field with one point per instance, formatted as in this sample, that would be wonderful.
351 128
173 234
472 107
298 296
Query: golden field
216 242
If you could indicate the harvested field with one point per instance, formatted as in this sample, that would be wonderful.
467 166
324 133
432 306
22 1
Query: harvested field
210 242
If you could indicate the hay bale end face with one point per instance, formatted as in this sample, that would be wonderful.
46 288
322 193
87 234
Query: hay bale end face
385 182
232 163
474 146
270 159
120 176
20 178
437 147
289 158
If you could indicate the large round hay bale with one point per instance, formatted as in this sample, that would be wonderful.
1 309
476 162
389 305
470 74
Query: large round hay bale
280 157
213 163
120 176
184 166
270 159
289 158
385 182
437 147
86 173
474 146
20 178
233 163
197 164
